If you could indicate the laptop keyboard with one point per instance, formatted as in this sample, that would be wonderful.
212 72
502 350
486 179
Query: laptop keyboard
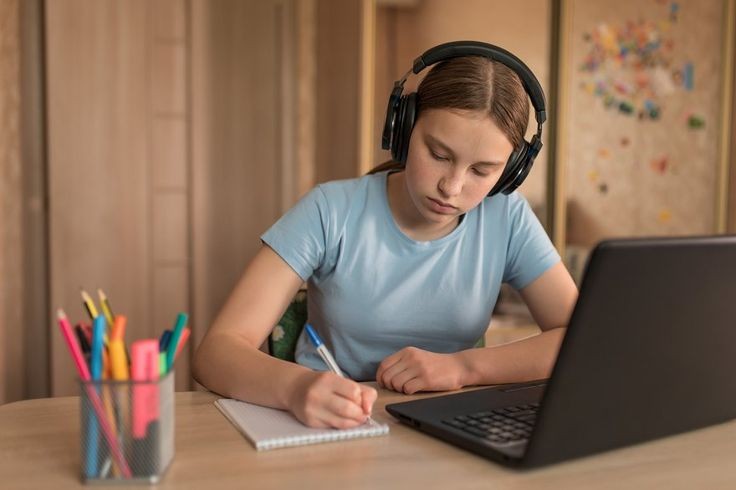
500 425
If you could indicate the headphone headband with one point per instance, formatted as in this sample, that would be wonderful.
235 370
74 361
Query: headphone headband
456 49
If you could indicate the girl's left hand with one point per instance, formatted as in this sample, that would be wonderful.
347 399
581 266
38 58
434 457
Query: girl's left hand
411 369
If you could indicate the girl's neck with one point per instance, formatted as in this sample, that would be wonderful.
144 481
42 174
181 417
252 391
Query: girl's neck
406 216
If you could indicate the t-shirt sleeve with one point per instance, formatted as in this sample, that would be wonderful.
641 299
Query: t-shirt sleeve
299 236
530 251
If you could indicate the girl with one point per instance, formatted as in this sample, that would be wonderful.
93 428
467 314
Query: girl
404 265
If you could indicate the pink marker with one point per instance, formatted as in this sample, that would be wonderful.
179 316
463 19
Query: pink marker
144 366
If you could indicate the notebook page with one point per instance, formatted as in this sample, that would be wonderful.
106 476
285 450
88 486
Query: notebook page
269 428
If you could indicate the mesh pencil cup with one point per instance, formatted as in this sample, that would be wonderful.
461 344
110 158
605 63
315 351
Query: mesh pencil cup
127 430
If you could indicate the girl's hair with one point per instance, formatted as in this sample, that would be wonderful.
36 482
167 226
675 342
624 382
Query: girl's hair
479 84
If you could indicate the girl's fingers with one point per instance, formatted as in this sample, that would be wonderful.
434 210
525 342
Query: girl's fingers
389 377
344 387
342 408
369 396
387 363
398 381
413 385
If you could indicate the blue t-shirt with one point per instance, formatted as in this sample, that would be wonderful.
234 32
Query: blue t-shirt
372 290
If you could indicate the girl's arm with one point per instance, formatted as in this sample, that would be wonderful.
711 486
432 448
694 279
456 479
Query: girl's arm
229 362
551 299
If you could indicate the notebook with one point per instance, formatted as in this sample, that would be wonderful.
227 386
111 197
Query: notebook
269 428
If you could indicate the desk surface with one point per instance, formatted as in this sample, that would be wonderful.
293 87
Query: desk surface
39 448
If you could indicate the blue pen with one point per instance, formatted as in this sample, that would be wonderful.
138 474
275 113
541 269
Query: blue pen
98 335
322 350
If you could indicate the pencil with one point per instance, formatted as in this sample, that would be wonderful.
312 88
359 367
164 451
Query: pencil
88 304
106 310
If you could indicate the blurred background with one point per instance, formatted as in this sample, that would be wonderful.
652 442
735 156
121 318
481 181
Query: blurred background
146 144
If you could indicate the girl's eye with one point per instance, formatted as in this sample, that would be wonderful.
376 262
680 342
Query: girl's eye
437 157
479 172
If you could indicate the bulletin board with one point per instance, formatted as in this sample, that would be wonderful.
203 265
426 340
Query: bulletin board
642 117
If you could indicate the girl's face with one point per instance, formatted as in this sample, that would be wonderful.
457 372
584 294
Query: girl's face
455 158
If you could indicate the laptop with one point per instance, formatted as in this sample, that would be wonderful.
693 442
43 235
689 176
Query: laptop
650 351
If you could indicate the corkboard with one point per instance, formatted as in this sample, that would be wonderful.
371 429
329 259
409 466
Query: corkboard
643 114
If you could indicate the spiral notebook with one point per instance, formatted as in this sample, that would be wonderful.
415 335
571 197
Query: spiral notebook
269 428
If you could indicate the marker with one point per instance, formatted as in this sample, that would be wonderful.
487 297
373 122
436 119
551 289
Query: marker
182 340
181 321
118 360
118 327
163 342
322 350
96 368
145 425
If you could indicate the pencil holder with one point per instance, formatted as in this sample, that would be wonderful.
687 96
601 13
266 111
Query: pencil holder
127 430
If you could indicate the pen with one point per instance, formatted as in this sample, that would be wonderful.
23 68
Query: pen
322 350
326 356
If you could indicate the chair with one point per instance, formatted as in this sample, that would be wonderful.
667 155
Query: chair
283 338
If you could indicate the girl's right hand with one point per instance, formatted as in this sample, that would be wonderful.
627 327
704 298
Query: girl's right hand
324 399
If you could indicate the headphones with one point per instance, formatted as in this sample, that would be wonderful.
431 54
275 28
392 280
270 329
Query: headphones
402 109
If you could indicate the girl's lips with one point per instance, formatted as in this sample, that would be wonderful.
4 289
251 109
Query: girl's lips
440 207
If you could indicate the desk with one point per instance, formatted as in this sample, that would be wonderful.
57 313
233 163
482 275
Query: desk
39 448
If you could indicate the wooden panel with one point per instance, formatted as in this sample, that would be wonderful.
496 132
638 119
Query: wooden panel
306 94
118 165
169 19
236 141
338 90
11 210
169 171
168 89
97 115
169 224
730 146
387 72
35 243
169 152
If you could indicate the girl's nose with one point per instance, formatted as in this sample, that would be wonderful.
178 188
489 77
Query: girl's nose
451 184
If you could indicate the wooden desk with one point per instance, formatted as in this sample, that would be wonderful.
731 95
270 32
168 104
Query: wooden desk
39 448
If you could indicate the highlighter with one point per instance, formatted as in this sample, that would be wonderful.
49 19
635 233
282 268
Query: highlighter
144 371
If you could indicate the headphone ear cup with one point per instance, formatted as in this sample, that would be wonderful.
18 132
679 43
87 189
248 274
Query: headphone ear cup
517 168
404 126
388 138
